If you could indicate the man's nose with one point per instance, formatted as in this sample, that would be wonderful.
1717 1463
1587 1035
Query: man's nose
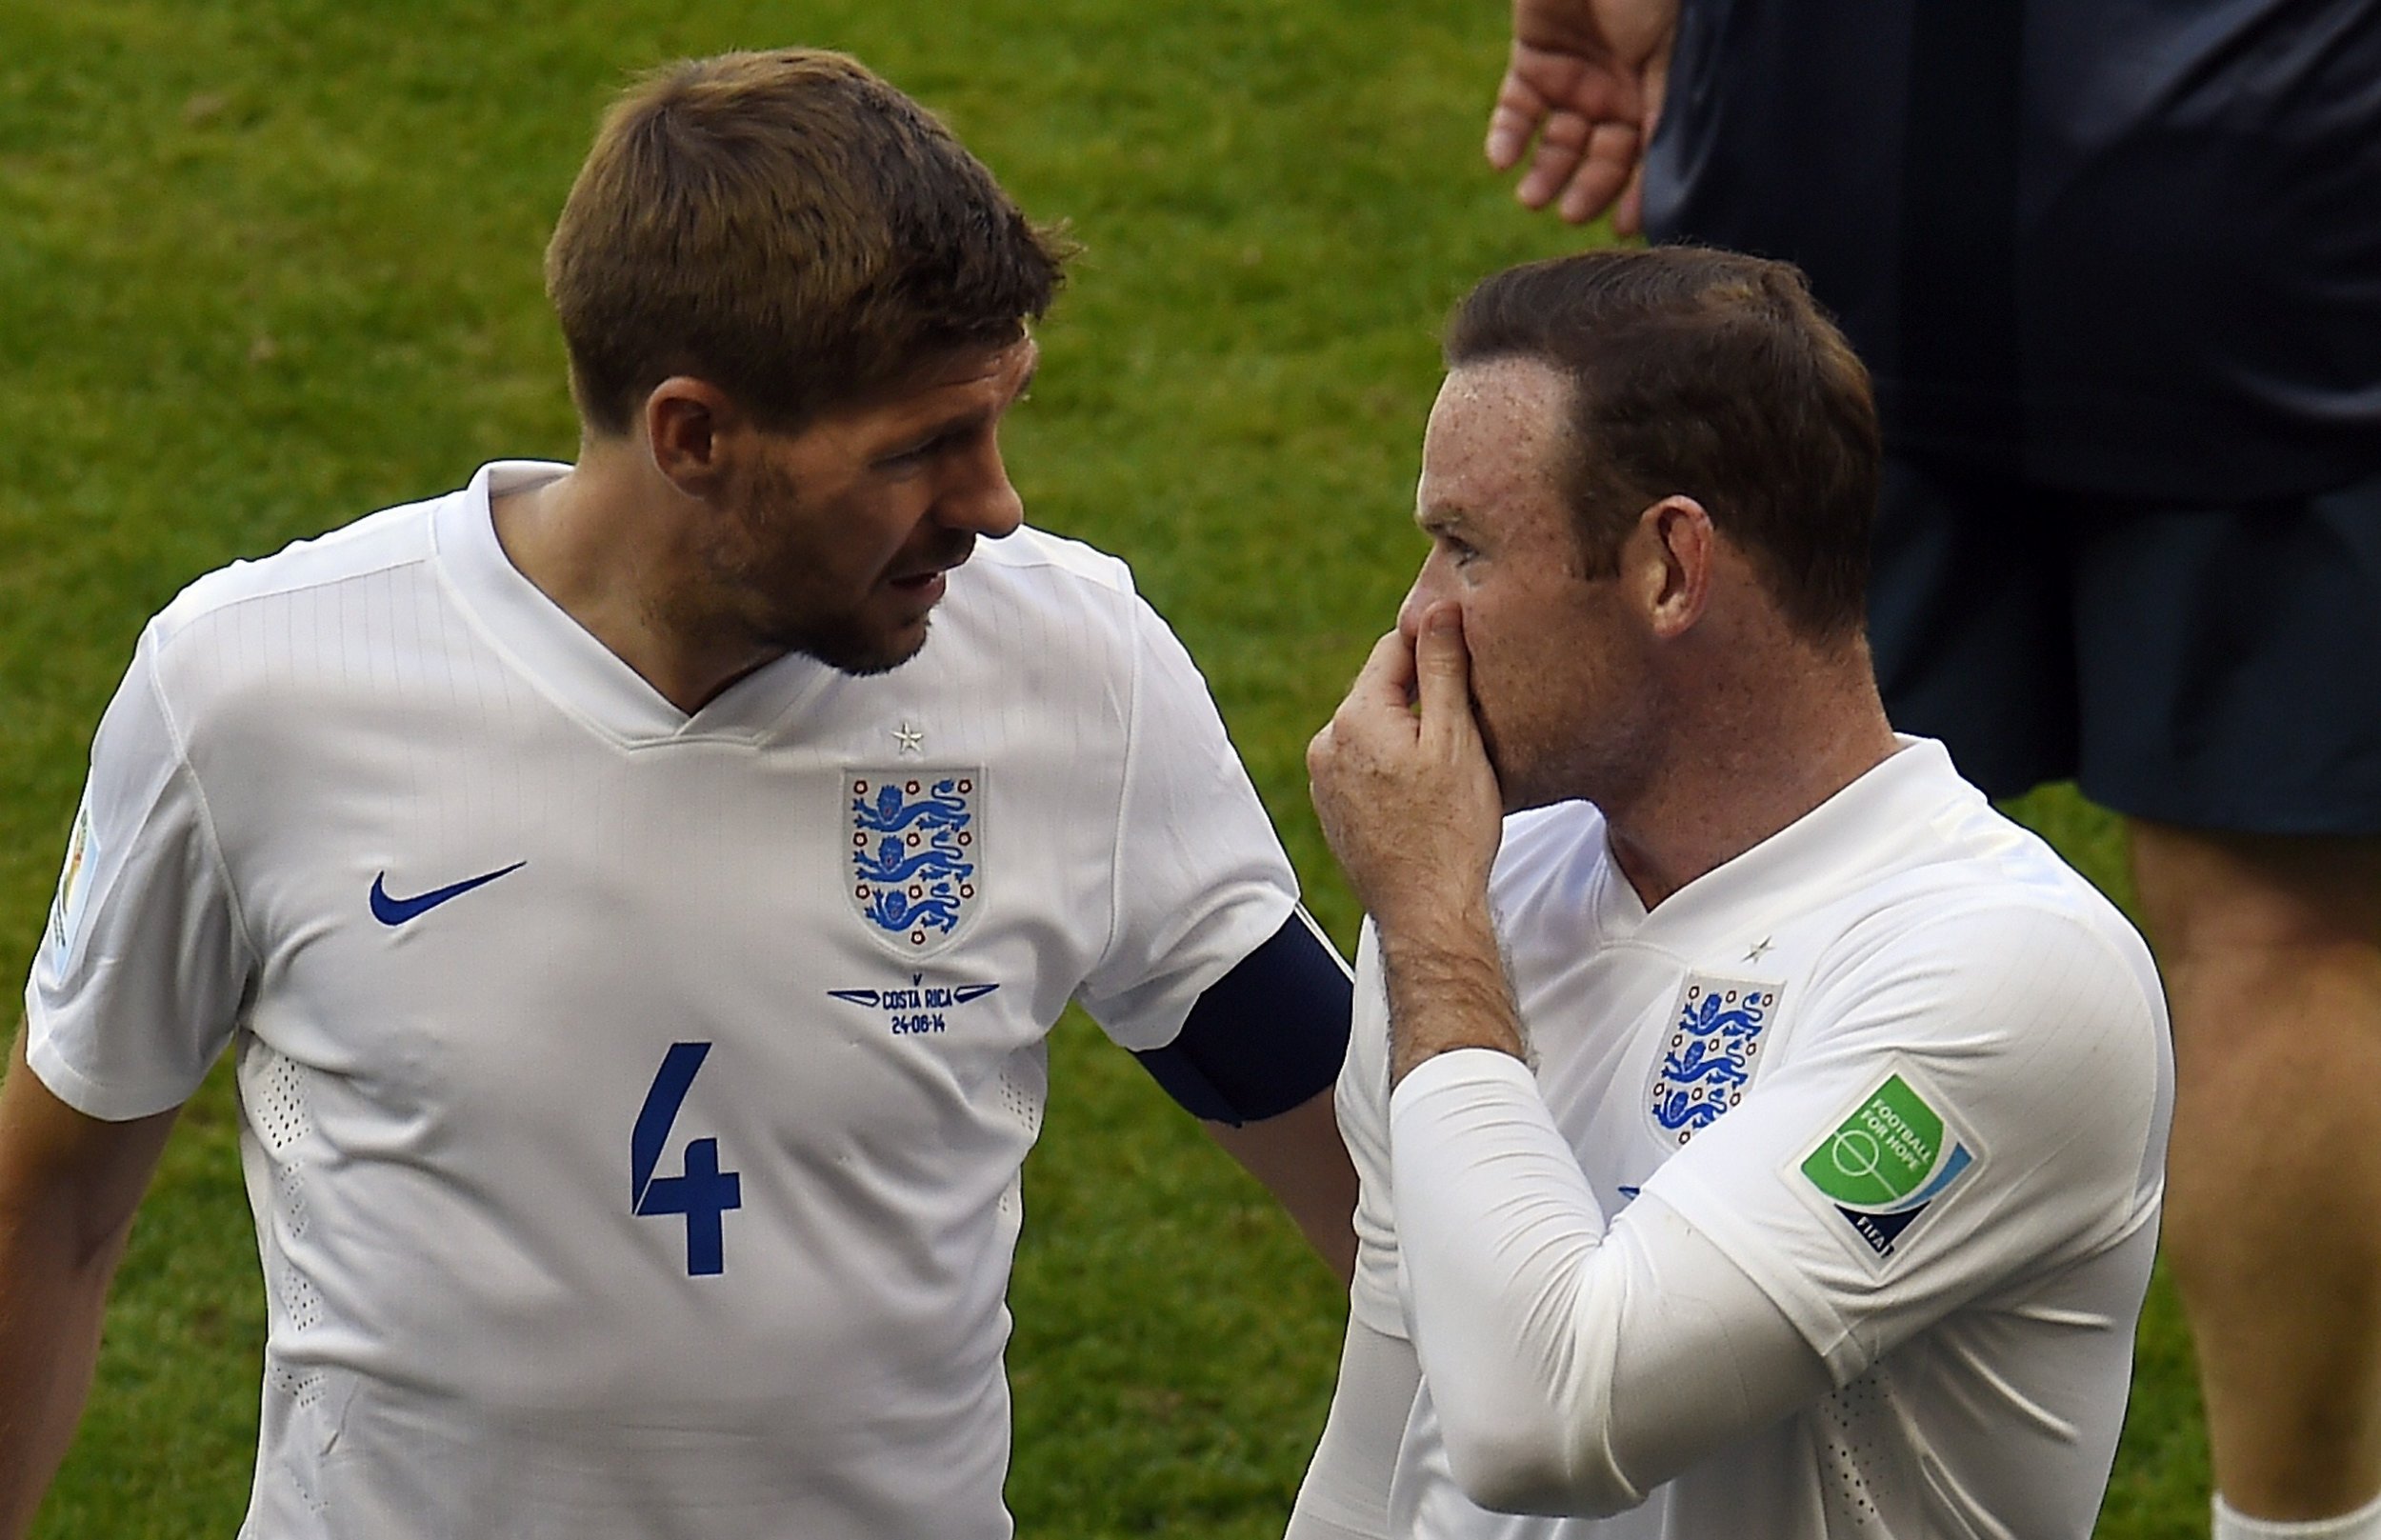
1427 590
980 499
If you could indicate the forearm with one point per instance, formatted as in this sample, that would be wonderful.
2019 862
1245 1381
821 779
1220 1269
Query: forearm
1500 1236
1447 988
53 1296
1301 1160
68 1185
1574 1368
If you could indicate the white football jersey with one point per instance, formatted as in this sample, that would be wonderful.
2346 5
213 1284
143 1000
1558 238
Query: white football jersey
1910 1074
634 1103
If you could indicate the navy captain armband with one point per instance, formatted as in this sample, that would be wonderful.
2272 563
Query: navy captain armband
1266 1036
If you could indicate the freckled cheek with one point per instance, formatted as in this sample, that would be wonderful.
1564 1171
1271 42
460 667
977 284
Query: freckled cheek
1520 671
1492 662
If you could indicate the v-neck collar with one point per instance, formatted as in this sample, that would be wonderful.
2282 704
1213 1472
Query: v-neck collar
565 660
1905 793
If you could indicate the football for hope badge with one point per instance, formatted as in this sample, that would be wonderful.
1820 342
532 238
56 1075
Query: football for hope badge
914 839
1888 1162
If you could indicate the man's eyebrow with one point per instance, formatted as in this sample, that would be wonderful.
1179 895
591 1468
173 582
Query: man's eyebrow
968 422
960 425
1442 518
927 436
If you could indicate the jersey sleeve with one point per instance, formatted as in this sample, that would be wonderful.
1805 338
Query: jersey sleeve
1361 1102
1573 1366
1967 1104
137 985
1976 1102
1199 878
1345 1495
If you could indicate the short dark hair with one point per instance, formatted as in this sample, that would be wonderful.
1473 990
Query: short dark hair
789 228
1709 374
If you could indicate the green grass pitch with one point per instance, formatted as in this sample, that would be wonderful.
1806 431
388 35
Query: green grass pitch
265 265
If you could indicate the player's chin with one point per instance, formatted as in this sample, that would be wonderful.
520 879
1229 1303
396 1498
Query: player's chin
864 646
885 653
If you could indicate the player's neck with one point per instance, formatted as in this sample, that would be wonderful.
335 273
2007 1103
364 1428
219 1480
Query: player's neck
1746 759
589 540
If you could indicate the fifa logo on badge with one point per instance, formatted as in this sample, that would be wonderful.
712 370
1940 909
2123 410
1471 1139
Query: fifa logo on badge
1709 1057
916 839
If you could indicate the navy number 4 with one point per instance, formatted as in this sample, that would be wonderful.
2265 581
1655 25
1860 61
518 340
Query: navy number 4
704 1192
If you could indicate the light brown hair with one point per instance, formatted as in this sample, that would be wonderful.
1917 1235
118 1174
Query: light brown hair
788 227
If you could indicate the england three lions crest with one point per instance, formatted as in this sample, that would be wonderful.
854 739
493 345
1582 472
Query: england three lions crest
1709 1055
917 843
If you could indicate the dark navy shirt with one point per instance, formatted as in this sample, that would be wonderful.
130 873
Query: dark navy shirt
2128 246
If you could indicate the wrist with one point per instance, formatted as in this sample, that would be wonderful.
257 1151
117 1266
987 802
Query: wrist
1447 991
1432 919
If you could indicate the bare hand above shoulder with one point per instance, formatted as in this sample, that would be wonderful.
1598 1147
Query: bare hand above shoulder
1584 79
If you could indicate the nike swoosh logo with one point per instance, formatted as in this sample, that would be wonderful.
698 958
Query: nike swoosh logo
392 910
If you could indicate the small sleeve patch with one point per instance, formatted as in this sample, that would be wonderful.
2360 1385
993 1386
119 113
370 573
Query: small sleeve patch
65 910
1888 1162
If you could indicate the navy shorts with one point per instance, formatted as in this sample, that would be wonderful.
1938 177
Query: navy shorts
2214 667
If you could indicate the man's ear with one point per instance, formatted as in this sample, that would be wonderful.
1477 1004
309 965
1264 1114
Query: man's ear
1669 558
690 424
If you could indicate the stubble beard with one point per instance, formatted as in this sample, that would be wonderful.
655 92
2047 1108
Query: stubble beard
848 649
841 640
844 644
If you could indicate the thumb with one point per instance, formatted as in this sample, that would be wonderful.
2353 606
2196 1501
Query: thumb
1443 673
